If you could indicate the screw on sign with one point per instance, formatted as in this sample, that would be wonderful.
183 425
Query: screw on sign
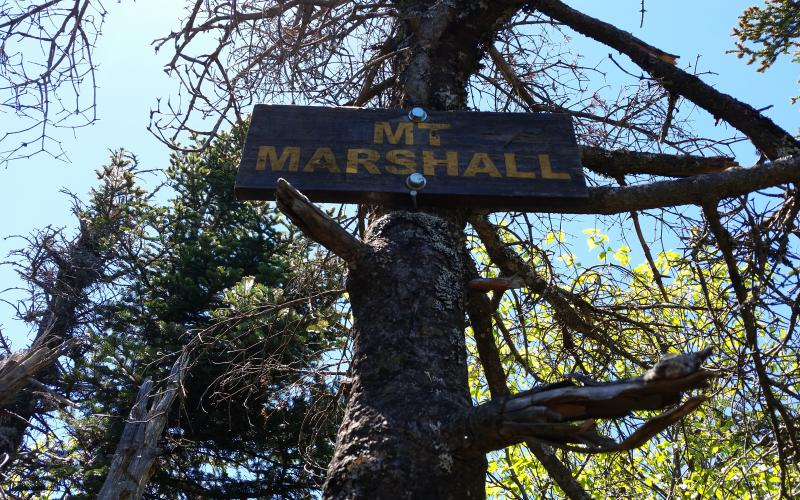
417 115
415 182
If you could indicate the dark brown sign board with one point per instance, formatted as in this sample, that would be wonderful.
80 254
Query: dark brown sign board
469 159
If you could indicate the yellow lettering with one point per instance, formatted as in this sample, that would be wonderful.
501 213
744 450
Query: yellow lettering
383 130
430 163
267 154
547 170
402 157
511 168
364 157
481 164
434 139
323 157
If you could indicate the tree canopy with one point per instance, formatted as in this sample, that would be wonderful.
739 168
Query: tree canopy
216 278
687 252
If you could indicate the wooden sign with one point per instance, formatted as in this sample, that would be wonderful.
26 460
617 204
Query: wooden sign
468 159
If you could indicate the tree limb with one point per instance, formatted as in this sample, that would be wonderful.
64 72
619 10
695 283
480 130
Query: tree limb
546 413
137 450
615 163
697 190
693 190
375 90
763 132
516 84
316 224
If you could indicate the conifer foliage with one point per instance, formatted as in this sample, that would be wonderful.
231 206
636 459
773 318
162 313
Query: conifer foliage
248 299
643 344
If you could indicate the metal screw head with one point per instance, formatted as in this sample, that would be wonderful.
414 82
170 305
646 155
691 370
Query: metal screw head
417 115
416 181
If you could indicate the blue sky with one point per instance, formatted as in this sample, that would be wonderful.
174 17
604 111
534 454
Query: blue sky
130 78
700 33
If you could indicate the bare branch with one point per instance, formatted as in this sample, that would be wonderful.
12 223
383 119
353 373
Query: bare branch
749 319
619 162
46 72
317 225
765 134
696 190
544 413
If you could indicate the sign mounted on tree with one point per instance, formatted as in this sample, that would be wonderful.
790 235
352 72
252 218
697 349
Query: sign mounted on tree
381 156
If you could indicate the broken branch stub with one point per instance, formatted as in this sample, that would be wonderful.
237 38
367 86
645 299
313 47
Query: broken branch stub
564 413
316 224
18 368
496 284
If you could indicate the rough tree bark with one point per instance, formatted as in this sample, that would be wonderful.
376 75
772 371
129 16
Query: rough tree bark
409 365
409 374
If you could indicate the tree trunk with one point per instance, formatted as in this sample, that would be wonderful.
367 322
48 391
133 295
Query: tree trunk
79 268
409 365
409 429
408 296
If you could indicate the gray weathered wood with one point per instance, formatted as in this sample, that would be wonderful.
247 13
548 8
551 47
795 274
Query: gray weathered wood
137 449
17 369
565 413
